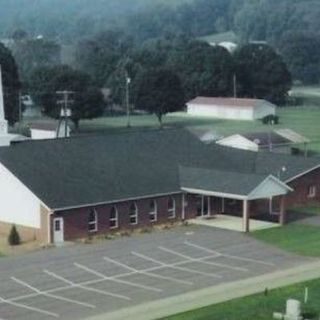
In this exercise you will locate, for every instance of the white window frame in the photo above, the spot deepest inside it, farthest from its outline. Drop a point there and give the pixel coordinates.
(312, 191)
(153, 213)
(115, 219)
(172, 210)
(94, 222)
(135, 216)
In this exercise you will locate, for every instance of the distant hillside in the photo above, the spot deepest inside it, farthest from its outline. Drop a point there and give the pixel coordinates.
(69, 18)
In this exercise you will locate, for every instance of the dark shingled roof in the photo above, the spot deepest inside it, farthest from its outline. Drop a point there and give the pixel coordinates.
(264, 139)
(219, 181)
(86, 170)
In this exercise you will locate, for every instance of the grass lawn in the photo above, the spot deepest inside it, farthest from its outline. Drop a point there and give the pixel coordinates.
(259, 306)
(297, 238)
(302, 119)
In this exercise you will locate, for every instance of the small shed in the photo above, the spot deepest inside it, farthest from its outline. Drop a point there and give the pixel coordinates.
(279, 141)
(230, 108)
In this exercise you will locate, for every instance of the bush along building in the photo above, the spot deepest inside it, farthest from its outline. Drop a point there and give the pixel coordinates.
(64, 189)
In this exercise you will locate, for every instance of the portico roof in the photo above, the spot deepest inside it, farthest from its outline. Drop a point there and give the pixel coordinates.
(228, 184)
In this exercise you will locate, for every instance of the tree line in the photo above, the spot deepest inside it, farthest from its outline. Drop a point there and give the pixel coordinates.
(164, 73)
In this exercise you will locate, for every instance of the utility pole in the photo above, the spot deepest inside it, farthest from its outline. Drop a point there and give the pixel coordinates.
(128, 81)
(65, 111)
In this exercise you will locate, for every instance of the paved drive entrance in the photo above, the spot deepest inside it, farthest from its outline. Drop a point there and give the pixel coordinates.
(80, 281)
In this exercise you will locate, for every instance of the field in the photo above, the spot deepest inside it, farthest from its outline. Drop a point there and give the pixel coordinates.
(296, 238)
(304, 121)
(259, 306)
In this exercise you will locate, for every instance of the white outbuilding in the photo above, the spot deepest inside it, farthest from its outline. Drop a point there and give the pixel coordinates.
(230, 108)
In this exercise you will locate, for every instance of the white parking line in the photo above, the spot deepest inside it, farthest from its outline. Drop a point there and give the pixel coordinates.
(228, 255)
(84, 287)
(147, 272)
(176, 266)
(87, 305)
(23, 306)
(102, 276)
(202, 260)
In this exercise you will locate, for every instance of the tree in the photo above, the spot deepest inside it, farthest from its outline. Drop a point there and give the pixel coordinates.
(160, 92)
(99, 56)
(11, 85)
(203, 69)
(88, 99)
(31, 54)
(261, 73)
(14, 237)
(301, 51)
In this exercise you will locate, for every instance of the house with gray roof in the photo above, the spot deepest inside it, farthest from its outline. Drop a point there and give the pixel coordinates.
(64, 189)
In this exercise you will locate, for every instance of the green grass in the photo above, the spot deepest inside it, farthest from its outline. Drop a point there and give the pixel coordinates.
(258, 306)
(296, 238)
(301, 119)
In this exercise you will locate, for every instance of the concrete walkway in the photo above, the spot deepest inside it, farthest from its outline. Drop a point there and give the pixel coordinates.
(224, 292)
(227, 222)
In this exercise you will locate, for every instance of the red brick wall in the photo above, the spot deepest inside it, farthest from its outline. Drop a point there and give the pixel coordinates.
(76, 220)
(301, 186)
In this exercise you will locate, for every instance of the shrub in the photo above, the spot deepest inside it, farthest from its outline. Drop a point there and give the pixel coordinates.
(270, 119)
(14, 237)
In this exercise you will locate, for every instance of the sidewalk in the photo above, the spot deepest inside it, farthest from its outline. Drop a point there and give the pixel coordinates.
(224, 292)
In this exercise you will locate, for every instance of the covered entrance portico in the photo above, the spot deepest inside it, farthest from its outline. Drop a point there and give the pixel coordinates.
(213, 191)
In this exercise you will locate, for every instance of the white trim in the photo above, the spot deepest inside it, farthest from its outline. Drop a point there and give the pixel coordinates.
(94, 222)
(116, 219)
(136, 214)
(155, 212)
(215, 194)
(48, 226)
(117, 201)
(183, 213)
(312, 191)
(303, 173)
(171, 211)
(265, 181)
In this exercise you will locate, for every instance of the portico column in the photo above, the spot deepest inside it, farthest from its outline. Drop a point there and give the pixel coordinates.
(246, 216)
(282, 216)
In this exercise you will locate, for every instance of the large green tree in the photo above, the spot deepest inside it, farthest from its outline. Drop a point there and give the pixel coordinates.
(203, 69)
(31, 54)
(159, 92)
(301, 51)
(87, 98)
(11, 85)
(100, 55)
(261, 73)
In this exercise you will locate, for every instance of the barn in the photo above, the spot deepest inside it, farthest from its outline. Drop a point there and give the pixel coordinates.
(230, 108)
(64, 189)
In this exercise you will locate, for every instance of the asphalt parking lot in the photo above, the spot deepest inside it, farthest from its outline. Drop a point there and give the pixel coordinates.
(80, 281)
